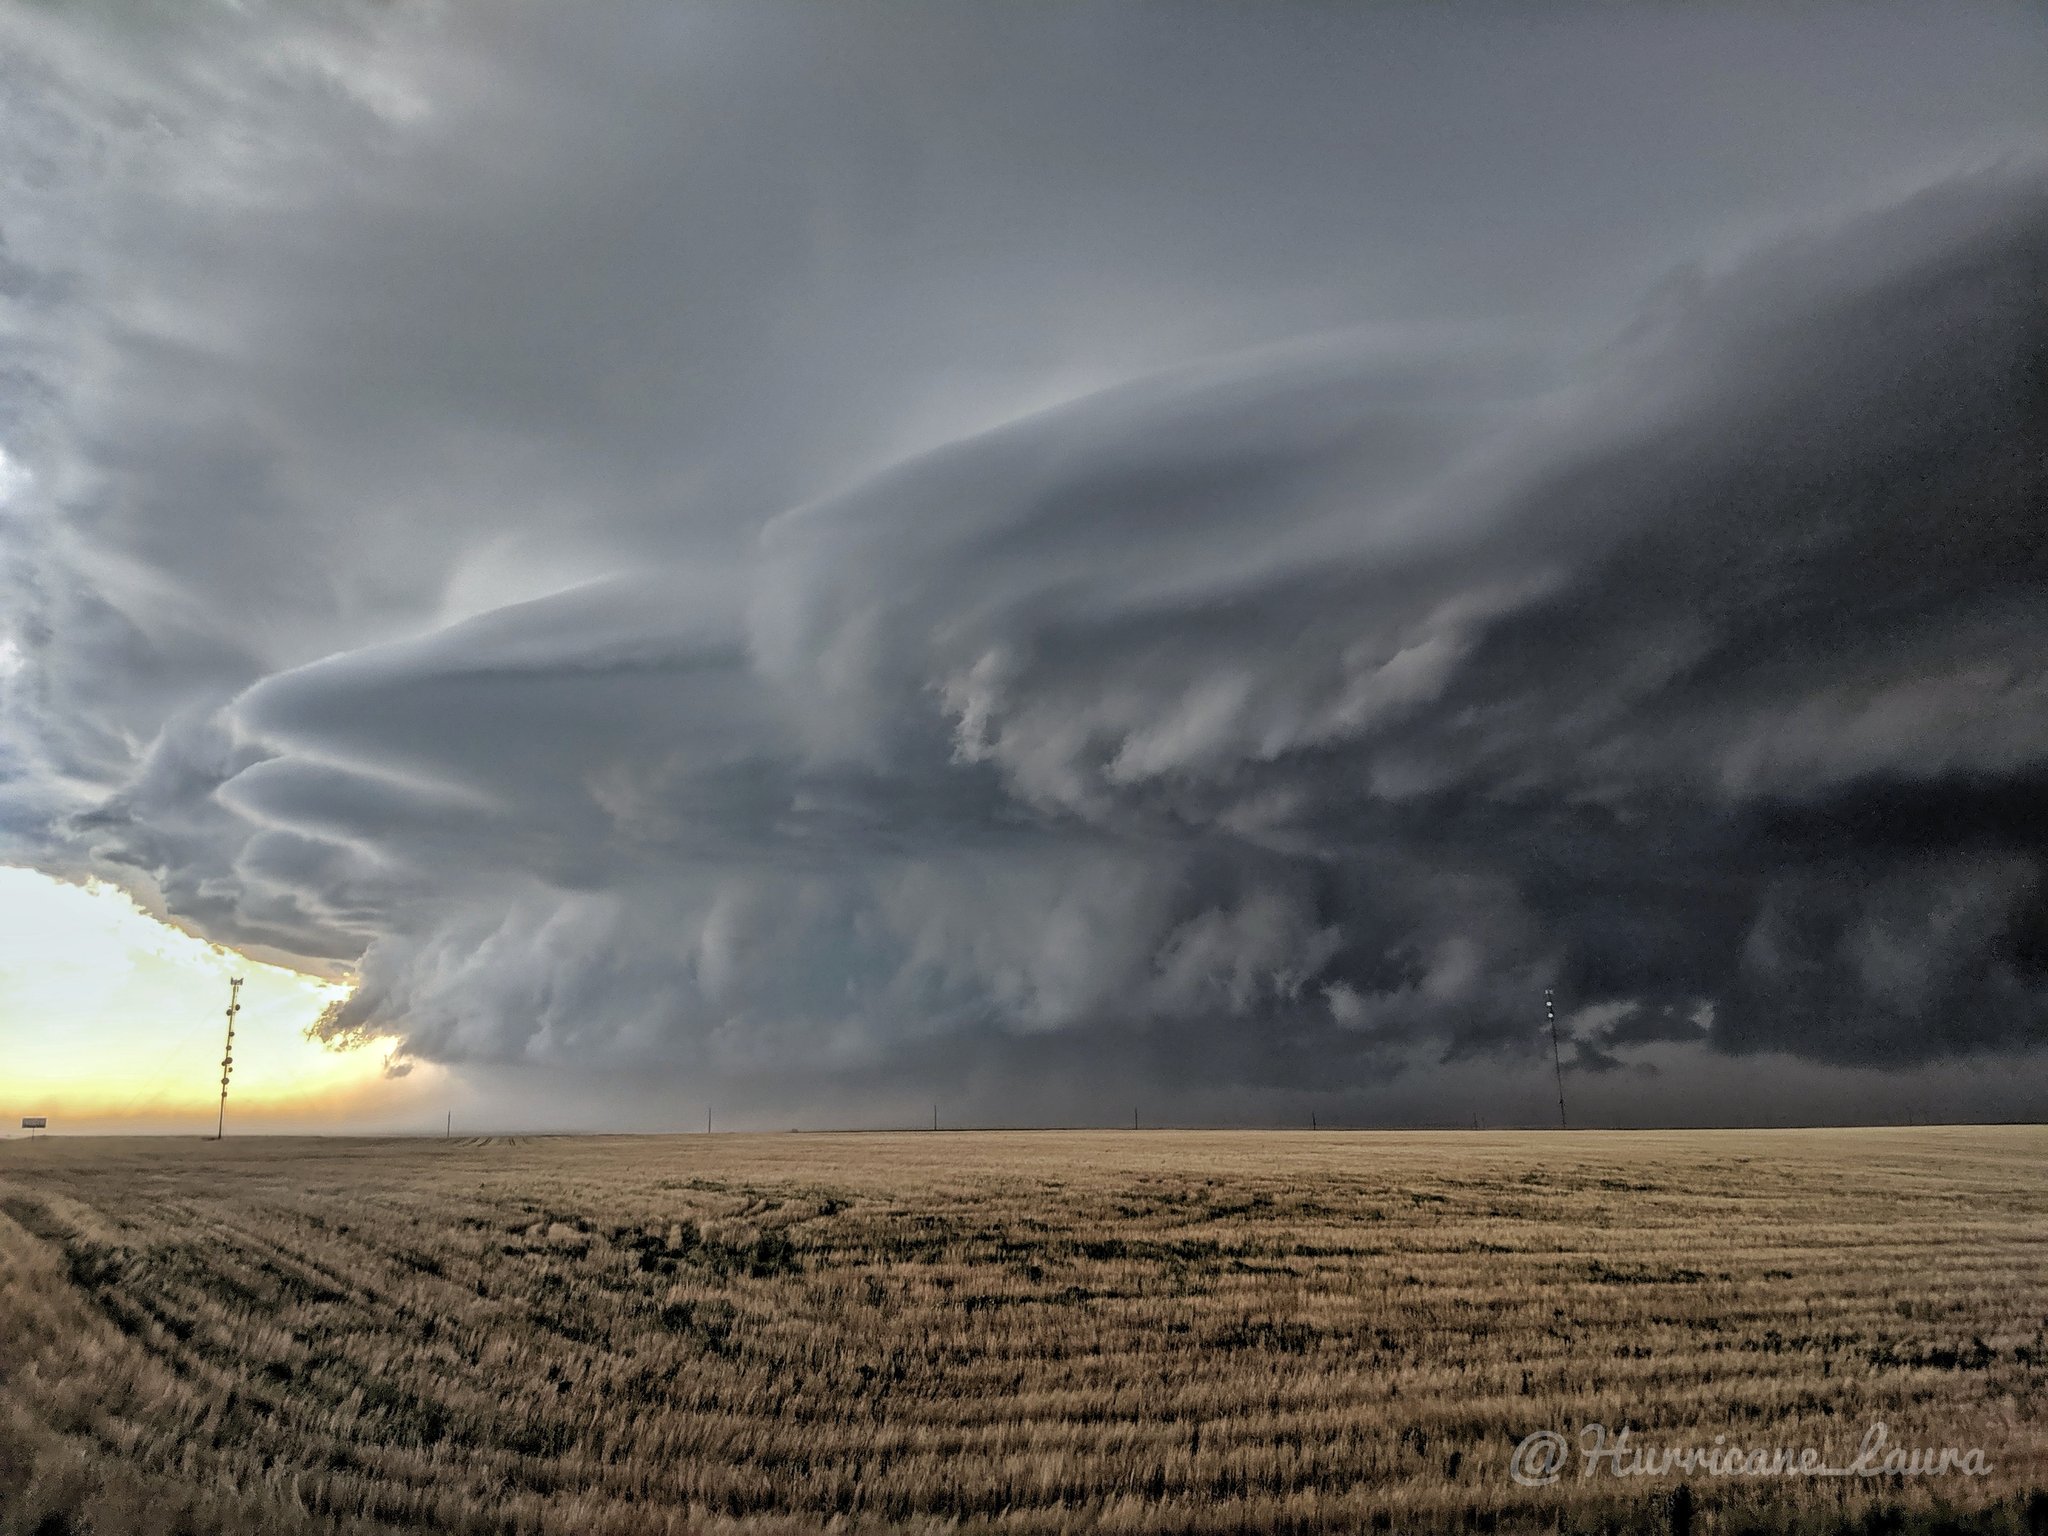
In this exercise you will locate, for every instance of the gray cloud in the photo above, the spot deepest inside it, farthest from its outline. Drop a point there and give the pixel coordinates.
(635, 547)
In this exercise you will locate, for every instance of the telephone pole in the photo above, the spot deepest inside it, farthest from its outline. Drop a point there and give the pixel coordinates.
(227, 1056)
(1556, 1056)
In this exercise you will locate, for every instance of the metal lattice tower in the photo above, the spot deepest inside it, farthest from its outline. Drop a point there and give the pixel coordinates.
(1556, 1056)
(227, 1058)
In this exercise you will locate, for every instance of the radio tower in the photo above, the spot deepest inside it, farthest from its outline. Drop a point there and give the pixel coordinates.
(227, 1058)
(1556, 1058)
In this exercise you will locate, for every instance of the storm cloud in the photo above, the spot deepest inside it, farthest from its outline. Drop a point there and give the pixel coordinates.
(876, 549)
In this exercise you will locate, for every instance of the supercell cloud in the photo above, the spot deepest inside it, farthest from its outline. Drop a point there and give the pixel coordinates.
(845, 554)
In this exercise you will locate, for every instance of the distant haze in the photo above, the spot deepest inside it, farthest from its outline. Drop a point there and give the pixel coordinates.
(1063, 560)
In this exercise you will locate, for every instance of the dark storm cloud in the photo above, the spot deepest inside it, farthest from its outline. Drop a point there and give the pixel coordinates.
(1028, 734)
(648, 554)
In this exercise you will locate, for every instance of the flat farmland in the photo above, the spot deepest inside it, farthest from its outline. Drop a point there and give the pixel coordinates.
(1019, 1332)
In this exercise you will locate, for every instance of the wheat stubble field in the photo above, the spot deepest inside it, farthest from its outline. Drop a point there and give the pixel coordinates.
(1026, 1332)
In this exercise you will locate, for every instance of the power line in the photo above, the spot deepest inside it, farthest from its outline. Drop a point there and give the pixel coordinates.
(1556, 1057)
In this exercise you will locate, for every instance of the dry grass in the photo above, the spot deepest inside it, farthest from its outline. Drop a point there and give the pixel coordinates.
(1018, 1332)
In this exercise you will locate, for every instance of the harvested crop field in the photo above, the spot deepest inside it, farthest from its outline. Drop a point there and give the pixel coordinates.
(1028, 1332)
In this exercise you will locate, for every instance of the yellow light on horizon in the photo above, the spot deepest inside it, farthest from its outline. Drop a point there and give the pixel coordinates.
(112, 1020)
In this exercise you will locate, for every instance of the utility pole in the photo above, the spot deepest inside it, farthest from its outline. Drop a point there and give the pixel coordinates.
(1556, 1056)
(227, 1056)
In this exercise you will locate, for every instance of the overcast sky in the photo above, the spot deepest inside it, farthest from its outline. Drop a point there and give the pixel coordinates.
(1055, 558)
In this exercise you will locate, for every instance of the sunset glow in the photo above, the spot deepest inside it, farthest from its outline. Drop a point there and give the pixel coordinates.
(113, 1021)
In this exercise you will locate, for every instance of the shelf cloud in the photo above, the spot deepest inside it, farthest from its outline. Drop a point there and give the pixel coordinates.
(673, 578)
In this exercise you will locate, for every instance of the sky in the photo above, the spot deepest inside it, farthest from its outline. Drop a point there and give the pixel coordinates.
(1065, 563)
(117, 1021)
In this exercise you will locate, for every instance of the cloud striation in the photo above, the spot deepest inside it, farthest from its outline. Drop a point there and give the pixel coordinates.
(1279, 716)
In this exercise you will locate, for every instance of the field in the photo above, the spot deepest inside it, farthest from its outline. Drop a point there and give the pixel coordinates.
(1019, 1332)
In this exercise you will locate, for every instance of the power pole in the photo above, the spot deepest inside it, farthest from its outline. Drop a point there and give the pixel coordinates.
(227, 1056)
(1556, 1056)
